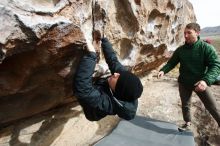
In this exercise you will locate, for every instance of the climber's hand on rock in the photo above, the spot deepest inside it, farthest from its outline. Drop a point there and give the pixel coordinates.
(96, 36)
(160, 74)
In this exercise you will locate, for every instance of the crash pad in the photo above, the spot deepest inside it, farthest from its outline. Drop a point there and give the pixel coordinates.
(142, 131)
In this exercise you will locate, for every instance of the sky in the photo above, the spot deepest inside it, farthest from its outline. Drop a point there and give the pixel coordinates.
(207, 12)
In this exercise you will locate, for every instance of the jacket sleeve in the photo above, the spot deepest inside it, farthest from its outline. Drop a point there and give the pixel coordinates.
(128, 111)
(173, 61)
(110, 57)
(213, 64)
(83, 86)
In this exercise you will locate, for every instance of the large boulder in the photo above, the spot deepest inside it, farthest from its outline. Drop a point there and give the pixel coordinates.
(41, 43)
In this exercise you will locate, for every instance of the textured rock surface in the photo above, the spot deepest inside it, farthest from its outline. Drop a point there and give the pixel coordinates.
(41, 42)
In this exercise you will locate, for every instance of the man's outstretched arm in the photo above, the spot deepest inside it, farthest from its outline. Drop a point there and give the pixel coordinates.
(110, 57)
(84, 89)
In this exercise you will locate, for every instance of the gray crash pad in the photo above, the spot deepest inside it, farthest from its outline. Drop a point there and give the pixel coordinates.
(143, 131)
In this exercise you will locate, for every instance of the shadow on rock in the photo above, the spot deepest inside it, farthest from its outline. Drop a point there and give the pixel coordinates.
(39, 130)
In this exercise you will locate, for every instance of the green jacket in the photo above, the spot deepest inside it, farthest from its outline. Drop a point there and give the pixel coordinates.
(198, 61)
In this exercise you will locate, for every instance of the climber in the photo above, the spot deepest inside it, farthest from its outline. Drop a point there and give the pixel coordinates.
(199, 68)
(115, 95)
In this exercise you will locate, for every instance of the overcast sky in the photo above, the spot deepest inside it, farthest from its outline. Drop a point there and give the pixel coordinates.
(207, 12)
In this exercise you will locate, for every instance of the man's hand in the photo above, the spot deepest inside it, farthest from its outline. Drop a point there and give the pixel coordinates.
(96, 36)
(200, 86)
(97, 46)
(90, 46)
(97, 42)
(160, 74)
